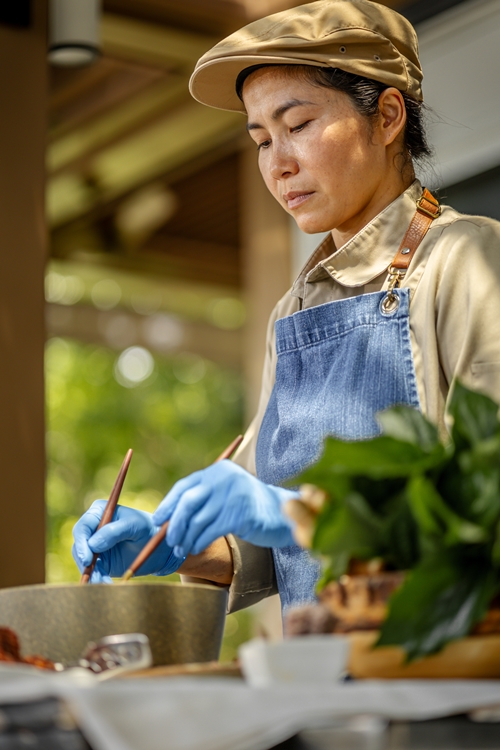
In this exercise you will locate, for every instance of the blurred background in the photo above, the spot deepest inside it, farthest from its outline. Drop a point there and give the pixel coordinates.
(141, 255)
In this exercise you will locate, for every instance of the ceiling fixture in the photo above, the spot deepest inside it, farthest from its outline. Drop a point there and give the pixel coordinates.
(74, 38)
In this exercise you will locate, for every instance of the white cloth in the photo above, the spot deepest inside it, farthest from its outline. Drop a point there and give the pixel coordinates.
(189, 713)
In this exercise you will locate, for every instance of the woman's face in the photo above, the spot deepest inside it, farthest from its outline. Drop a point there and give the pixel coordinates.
(322, 160)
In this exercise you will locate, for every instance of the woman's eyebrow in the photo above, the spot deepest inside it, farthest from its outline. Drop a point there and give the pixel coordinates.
(280, 112)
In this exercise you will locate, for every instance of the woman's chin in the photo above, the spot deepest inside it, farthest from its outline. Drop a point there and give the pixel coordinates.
(310, 225)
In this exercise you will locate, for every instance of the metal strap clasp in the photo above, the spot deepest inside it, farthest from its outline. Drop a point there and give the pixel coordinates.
(428, 209)
(391, 301)
(429, 198)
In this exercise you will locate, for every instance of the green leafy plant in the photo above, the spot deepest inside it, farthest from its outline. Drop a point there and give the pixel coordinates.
(422, 506)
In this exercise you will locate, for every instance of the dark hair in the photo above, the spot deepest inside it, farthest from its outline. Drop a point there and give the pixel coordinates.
(364, 94)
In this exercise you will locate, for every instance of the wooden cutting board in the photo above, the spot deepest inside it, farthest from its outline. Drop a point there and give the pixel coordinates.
(204, 669)
(474, 657)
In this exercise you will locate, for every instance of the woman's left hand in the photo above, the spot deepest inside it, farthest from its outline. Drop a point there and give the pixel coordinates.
(224, 499)
(118, 544)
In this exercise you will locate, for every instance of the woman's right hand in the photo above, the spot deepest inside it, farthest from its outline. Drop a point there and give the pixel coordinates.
(118, 544)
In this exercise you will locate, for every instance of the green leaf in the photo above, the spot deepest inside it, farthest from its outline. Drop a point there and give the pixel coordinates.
(440, 601)
(495, 552)
(379, 458)
(380, 494)
(475, 416)
(474, 494)
(327, 575)
(346, 531)
(401, 546)
(420, 494)
(485, 508)
(482, 456)
(409, 425)
(436, 518)
(363, 514)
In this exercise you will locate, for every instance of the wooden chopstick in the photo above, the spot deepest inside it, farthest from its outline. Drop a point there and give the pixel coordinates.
(228, 452)
(157, 539)
(109, 510)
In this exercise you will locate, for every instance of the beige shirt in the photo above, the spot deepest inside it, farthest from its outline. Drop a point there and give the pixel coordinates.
(454, 282)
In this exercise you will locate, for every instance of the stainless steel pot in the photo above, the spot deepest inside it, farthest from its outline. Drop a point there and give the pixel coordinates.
(184, 622)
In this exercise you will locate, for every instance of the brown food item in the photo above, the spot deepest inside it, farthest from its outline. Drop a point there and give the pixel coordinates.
(359, 602)
(4, 656)
(311, 619)
(39, 661)
(489, 624)
(357, 606)
(9, 642)
(10, 651)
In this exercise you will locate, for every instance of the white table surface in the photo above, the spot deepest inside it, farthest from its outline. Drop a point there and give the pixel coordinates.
(187, 713)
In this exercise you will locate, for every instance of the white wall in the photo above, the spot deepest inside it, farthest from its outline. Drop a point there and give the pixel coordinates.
(460, 54)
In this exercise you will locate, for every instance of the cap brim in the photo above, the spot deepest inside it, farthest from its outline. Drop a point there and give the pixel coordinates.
(214, 83)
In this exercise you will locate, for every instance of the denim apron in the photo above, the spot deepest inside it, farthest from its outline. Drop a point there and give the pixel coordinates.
(338, 365)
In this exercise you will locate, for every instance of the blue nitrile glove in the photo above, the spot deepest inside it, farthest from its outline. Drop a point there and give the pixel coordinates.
(118, 544)
(224, 499)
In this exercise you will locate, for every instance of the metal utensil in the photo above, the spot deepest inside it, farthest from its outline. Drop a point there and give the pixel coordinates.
(112, 656)
(117, 654)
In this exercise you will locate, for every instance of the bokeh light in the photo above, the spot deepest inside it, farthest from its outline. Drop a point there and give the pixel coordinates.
(134, 366)
(227, 313)
(63, 290)
(106, 294)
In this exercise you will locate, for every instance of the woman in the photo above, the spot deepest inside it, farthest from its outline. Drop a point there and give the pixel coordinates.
(399, 300)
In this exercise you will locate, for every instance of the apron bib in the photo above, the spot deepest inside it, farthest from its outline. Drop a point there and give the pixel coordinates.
(338, 365)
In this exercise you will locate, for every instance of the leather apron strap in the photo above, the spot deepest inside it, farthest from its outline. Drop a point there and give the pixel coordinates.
(428, 209)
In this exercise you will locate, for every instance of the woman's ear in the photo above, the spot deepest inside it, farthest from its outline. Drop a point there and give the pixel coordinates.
(392, 115)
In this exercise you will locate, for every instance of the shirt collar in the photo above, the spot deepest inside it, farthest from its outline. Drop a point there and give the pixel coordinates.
(366, 255)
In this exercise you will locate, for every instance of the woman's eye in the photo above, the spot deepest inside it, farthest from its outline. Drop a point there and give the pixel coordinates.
(300, 127)
(262, 145)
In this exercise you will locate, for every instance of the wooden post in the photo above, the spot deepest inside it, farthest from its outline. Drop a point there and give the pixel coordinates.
(266, 264)
(23, 99)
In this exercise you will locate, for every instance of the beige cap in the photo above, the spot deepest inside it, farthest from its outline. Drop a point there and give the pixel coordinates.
(358, 36)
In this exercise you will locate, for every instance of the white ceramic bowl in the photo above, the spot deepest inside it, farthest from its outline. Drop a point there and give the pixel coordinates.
(305, 659)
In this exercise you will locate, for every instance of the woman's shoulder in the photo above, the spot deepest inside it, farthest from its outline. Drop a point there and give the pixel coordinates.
(453, 223)
(466, 234)
(287, 305)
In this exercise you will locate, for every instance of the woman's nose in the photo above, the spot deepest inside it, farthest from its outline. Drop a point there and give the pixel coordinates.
(283, 164)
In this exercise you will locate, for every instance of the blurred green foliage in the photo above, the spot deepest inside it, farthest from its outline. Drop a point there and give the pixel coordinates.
(428, 508)
(177, 420)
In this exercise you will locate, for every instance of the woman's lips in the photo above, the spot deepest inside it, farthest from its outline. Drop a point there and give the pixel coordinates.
(295, 199)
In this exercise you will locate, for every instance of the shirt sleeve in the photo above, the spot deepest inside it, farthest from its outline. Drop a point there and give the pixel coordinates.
(254, 577)
(468, 306)
(253, 567)
(245, 455)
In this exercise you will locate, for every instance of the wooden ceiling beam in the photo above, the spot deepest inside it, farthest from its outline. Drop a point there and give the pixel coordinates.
(192, 261)
(218, 17)
(160, 46)
(196, 260)
(72, 150)
(189, 131)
